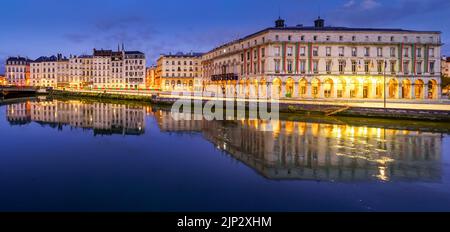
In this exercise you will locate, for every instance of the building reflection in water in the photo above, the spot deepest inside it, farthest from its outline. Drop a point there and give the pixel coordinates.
(315, 151)
(289, 150)
(102, 118)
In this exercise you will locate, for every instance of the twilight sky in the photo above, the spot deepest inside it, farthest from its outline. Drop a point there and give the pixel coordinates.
(46, 27)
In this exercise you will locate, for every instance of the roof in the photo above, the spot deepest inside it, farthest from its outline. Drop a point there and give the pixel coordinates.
(183, 55)
(321, 29)
(46, 59)
(18, 58)
(134, 52)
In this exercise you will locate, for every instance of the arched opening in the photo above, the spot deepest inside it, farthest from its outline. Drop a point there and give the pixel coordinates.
(276, 87)
(340, 87)
(303, 87)
(418, 89)
(247, 88)
(263, 84)
(354, 88)
(393, 88)
(406, 89)
(315, 87)
(328, 88)
(366, 88)
(432, 89)
(173, 85)
(379, 88)
(255, 88)
(241, 87)
(289, 87)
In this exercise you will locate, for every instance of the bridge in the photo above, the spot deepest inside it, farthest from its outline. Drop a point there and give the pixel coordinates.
(19, 90)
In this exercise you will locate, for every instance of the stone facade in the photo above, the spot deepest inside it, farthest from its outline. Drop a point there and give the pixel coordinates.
(180, 72)
(18, 71)
(321, 62)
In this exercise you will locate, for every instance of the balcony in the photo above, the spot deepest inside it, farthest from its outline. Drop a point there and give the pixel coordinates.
(225, 77)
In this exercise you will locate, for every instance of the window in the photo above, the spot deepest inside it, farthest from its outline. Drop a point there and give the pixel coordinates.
(353, 66)
(328, 66)
(392, 39)
(366, 66)
(353, 38)
(289, 51)
(315, 66)
(392, 68)
(432, 67)
(263, 52)
(302, 51)
(328, 38)
(328, 51)
(289, 38)
(431, 52)
(277, 51)
(379, 38)
(341, 38)
(289, 66)
(341, 66)
(248, 55)
(315, 51)
(354, 52)
(277, 37)
(419, 52)
(277, 66)
(255, 54)
(303, 66)
(392, 52)
(366, 51)
(263, 65)
(406, 67)
(315, 38)
(341, 51)
(406, 52)
(302, 38)
(419, 67)
(379, 52)
(380, 67)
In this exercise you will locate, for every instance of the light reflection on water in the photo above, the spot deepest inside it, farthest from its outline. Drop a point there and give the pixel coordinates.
(289, 151)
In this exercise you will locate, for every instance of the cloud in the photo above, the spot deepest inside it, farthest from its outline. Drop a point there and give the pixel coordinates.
(349, 3)
(76, 37)
(372, 12)
(369, 4)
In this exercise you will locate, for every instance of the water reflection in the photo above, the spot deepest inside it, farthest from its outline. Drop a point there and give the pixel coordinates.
(102, 118)
(291, 150)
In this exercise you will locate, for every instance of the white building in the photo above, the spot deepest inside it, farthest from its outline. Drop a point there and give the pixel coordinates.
(17, 71)
(180, 72)
(322, 62)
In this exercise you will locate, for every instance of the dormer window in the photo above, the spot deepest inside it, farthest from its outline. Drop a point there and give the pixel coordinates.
(302, 38)
(289, 38)
(315, 38)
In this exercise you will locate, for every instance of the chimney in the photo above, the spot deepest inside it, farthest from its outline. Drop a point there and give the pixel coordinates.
(319, 23)
(279, 23)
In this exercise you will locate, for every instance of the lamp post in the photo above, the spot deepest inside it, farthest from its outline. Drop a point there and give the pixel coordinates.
(384, 80)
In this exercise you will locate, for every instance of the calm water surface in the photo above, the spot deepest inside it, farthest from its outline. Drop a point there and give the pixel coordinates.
(74, 156)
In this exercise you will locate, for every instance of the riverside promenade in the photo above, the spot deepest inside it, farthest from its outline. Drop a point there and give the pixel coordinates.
(434, 105)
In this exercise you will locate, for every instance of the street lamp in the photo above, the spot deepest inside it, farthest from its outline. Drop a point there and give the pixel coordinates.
(384, 80)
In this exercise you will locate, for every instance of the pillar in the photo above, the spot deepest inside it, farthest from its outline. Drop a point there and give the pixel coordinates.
(400, 90)
(296, 90)
(283, 90)
(309, 90)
